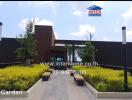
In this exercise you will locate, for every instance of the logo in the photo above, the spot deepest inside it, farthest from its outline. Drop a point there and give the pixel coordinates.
(94, 11)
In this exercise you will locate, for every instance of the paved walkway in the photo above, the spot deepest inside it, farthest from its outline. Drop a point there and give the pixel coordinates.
(61, 87)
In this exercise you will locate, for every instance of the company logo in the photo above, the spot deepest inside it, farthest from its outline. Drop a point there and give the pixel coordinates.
(94, 11)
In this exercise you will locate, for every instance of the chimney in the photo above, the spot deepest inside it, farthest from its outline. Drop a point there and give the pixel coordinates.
(123, 35)
(0, 30)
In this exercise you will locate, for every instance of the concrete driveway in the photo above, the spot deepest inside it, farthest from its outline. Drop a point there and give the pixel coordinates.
(61, 87)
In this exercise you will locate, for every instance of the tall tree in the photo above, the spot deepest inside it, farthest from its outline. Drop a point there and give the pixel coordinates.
(87, 53)
(27, 52)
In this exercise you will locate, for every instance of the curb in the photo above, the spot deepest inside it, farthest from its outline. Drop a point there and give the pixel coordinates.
(21, 94)
(108, 94)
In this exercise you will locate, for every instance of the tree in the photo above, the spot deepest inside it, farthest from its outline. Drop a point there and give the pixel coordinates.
(27, 52)
(87, 53)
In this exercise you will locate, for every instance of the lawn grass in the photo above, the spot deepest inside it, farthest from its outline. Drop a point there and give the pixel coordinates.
(105, 79)
(20, 77)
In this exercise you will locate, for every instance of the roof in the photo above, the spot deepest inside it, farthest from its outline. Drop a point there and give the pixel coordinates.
(80, 42)
(94, 7)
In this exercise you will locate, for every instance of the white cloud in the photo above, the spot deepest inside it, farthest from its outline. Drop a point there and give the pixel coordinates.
(23, 23)
(127, 15)
(78, 7)
(129, 35)
(43, 22)
(56, 35)
(38, 21)
(84, 29)
(129, 32)
(77, 13)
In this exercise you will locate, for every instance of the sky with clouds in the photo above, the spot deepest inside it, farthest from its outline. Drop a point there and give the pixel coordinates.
(69, 19)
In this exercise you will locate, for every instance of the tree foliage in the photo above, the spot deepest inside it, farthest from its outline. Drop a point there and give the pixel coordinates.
(87, 53)
(28, 44)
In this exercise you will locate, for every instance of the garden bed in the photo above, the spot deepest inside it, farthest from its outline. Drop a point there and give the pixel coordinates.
(105, 81)
(20, 78)
(108, 94)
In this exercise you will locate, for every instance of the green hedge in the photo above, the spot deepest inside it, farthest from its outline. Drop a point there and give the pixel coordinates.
(20, 77)
(104, 79)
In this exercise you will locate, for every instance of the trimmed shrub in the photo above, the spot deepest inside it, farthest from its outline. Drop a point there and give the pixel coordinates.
(20, 77)
(105, 79)
(102, 87)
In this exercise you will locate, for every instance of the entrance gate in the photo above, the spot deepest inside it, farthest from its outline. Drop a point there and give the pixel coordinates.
(57, 61)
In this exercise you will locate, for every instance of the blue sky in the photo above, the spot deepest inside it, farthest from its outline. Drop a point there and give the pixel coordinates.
(69, 18)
